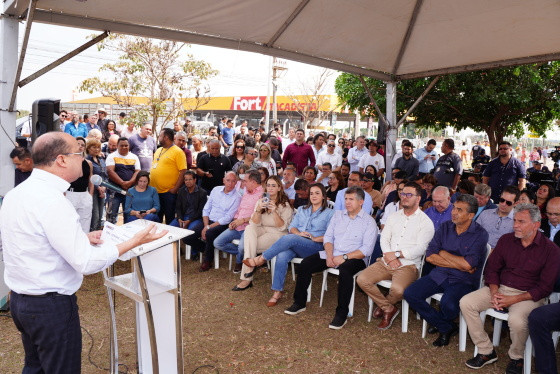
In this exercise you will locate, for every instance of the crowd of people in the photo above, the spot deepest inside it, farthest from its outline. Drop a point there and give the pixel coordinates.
(483, 242)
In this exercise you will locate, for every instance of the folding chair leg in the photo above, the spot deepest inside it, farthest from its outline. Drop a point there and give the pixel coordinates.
(230, 260)
(293, 271)
(309, 292)
(188, 252)
(370, 308)
(424, 323)
(528, 355)
(216, 259)
(351, 306)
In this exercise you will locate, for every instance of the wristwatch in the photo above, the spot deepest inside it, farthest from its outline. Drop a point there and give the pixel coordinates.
(398, 254)
(345, 257)
(207, 227)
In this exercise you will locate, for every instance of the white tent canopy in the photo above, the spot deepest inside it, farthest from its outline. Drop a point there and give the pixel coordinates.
(389, 40)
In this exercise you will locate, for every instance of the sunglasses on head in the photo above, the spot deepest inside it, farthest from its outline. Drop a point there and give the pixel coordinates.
(508, 203)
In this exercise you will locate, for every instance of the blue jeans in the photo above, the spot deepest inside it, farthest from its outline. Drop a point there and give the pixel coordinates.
(195, 226)
(114, 202)
(224, 243)
(424, 287)
(149, 217)
(167, 206)
(285, 249)
(97, 211)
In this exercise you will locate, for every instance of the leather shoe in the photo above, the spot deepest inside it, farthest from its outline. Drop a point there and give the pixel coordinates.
(242, 289)
(388, 318)
(444, 338)
(377, 312)
(205, 266)
(432, 330)
(237, 268)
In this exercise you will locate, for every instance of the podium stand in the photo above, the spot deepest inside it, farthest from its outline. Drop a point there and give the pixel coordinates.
(155, 286)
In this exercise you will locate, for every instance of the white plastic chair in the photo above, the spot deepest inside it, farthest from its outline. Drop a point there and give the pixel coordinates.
(405, 308)
(499, 317)
(462, 322)
(337, 273)
(330, 204)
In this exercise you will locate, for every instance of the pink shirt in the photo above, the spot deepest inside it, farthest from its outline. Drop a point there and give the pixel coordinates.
(247, 206)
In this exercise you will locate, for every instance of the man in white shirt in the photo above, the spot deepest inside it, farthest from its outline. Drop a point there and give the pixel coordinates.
(404, 240)
(326, 170)
(356, 153)
(372, 158)
(46, 254)
(330, 156)
(290, 139)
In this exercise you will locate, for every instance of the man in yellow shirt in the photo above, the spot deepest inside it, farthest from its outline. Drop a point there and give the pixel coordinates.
(166, 176)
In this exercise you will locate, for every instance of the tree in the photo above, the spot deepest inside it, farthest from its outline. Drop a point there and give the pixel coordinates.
(313, 110)
(154, 77)
(501, 102)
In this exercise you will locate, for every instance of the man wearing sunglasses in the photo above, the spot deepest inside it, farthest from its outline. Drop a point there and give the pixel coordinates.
(499, 221)
(330, 156)
(504, 170)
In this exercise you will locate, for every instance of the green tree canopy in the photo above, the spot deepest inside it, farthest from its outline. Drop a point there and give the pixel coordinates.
(499, 101)
(160, 71)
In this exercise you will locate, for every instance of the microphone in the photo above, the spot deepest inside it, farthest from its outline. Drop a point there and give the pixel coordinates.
(98, 181)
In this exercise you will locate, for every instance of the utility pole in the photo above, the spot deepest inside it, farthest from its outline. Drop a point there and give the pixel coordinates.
(277, 66)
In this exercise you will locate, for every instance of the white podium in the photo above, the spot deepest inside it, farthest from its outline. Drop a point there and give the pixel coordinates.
(155, 285)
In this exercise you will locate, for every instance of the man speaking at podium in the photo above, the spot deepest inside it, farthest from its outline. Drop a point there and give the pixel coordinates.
(46, 254)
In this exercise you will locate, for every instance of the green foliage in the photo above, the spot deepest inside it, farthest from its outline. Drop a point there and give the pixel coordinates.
(22, 113)
(499, 102)
(159, 71)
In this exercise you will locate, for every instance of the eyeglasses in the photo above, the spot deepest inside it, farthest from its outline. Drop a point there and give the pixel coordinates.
(253, 154)
(407, 194)
(240, 146)
(503, 149)
(264, 150)
(508, 203)
(81, 154)
(553, 214)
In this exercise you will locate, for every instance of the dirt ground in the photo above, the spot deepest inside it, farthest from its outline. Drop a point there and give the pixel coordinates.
(234, 332)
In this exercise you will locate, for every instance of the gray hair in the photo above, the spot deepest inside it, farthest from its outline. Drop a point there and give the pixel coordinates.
(441, 189)
(470, 200)
(232, 173)
(254, 175)
(533, 210)
(360, 194)
(180, 133)
(483, 189)
(214, 141)
(249, 150)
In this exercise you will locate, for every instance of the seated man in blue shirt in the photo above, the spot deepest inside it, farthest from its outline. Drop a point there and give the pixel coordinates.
(441, 209)
(348, 241)
(216, 215)
(457, 250)
(499, 221)
(354, 179)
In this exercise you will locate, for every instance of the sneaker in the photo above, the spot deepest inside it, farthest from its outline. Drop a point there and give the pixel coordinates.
(515, 366)
(337, 323)
(481, 360)
(294, 309)
(237, 268)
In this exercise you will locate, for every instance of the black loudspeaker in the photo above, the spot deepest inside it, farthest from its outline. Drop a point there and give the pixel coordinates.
(44, 117)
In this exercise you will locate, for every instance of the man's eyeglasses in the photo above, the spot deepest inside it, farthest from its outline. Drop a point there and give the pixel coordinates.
(331, 146)
(81, 154)
(553, 214)
(508, 203)
(253, 154)
(407, 194)
(503, 149)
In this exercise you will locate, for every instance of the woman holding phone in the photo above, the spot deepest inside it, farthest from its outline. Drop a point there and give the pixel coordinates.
(268, 223)
(304, 239)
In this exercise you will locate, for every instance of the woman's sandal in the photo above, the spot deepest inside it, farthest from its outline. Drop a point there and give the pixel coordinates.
(253, 263)
(274, 300)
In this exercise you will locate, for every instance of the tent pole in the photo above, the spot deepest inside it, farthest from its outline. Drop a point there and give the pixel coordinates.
(28, 23)
(391, 120)
(9, 57)
(420, 98)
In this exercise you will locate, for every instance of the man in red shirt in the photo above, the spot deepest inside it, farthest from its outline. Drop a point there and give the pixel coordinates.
(299, 152)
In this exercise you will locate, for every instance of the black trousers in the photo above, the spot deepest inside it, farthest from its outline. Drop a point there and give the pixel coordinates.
(315, 264)
(542, 322)
(50, 332)
(207, 246)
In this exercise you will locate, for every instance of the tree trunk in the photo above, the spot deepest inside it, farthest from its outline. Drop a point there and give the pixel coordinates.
(495, 137)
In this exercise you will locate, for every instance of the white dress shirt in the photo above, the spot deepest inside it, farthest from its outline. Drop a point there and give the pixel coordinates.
(334, 159)
(45, 249)
(408, 234)
(354, 156)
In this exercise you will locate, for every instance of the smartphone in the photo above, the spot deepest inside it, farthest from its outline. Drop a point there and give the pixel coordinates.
(266, 198)
(211, 171)
(142, 211)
